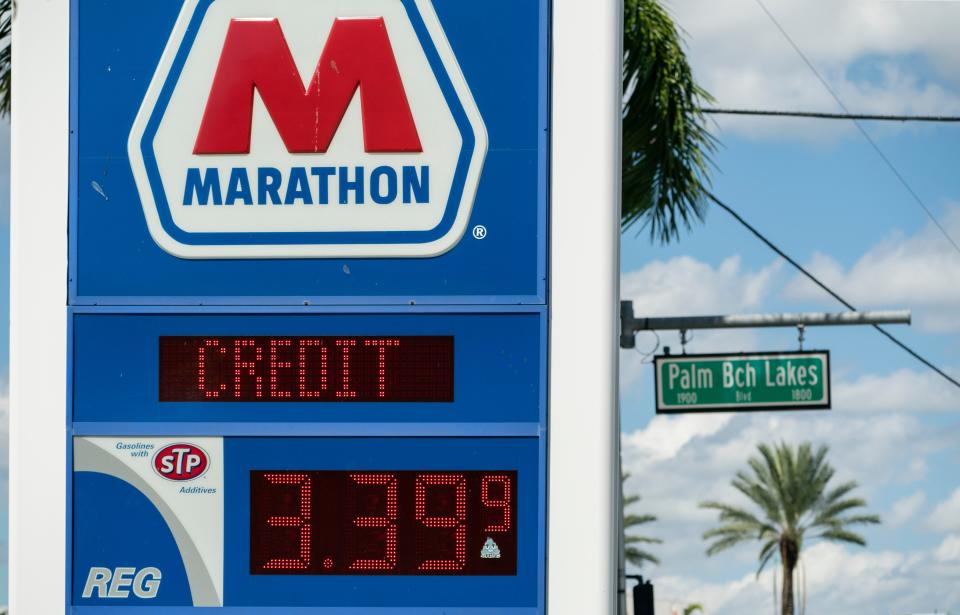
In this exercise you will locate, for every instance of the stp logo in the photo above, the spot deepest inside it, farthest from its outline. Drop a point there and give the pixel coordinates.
(321, 128)
(181, 462)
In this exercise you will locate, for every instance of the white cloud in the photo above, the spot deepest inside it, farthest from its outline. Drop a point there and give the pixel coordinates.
(946, 516)
(921, 272)
(903, 389)
(633, 367)
(949, 550)
(686, 286)
(664, 436)
(843, 579)
(866, 50)
(748, 594)
(840, 580)
(708, 449)
(905, 509)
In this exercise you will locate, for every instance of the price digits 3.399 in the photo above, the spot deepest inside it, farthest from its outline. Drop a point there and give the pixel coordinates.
(383, 522)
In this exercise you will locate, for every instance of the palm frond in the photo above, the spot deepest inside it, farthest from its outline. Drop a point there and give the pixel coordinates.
(784, 472)
(729, 542)
(767, 552)
(632, 553)
(833, 511)
(723, 508)
(632, 520)
(738, 519)
(666, 144)
(859, 520)
(646, 540)
(841, 535)
(772, 476)
(638, 557)
(839, 492)
(760, 495)
(733, 529)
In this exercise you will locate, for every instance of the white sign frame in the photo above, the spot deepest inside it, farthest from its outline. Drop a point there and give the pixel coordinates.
(584, 422)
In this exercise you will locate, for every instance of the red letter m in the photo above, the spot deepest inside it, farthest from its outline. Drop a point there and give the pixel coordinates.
(357, 55)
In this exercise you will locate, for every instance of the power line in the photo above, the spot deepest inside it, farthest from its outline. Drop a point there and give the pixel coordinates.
(860, 127)
(826, 288)
(820, 115)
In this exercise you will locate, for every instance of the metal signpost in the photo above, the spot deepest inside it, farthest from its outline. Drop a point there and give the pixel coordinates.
(690, 383)
(732, 383)
(308, 314)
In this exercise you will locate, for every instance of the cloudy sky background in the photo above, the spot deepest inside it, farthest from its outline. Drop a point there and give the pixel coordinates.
(821, 193)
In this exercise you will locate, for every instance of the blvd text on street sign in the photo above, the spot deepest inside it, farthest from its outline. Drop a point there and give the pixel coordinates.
(741, 382)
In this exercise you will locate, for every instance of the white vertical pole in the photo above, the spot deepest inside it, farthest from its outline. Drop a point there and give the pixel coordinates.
(584, 289)
(38, 294)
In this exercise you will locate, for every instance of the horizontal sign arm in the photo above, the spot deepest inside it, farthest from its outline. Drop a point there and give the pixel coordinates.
(631, 324)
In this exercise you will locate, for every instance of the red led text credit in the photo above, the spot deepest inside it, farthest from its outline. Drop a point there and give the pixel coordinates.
(321, 369)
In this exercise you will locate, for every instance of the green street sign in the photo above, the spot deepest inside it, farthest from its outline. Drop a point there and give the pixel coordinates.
(742, 382)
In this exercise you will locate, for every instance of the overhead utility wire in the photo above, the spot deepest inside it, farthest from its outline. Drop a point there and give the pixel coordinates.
(820, 115)
(829, 291)
(860, 127)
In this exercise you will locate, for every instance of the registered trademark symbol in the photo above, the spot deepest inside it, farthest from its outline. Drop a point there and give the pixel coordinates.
(479, 231)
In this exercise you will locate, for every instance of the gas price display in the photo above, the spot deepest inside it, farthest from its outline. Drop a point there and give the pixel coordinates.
(301, 368)
(383, 522)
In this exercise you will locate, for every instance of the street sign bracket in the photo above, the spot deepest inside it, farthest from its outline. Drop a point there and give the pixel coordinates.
(631, 324)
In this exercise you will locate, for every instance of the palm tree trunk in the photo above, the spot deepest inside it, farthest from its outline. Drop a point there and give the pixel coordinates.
(786, 592)
(788, 556)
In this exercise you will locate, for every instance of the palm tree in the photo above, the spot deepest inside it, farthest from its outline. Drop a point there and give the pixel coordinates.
(634, 554)
(789, 486)
(666, 144)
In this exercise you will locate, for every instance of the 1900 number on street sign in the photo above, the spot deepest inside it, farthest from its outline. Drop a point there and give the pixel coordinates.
(731, 383)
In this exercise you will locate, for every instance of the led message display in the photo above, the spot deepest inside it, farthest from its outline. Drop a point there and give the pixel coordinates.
(306, 368)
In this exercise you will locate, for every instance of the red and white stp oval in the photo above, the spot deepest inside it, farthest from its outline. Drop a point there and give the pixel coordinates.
(181, 462)
(291, 129)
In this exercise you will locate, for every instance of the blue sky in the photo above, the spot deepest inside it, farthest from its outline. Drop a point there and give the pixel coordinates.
(822, 194)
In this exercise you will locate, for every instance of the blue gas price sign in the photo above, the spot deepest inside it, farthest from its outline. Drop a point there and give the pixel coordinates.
(308, 306)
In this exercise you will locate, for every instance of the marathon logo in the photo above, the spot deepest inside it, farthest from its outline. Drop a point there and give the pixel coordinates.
(357, 56)
(308, 129)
